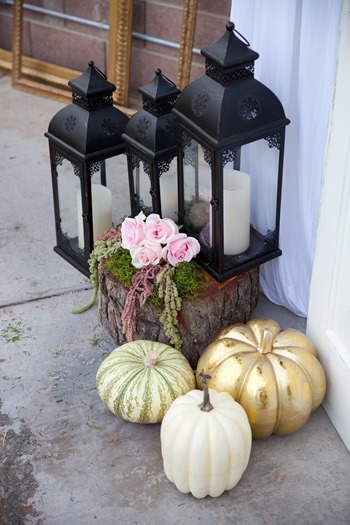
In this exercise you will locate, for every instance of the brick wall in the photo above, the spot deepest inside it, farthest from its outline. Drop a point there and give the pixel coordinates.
(72, 45)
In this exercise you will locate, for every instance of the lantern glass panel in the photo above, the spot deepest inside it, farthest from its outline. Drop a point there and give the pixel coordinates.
(101, 201)
(142, 186)
(117, 182)
(197, 192)
(69, 193)
(168, 190)
(260, 161)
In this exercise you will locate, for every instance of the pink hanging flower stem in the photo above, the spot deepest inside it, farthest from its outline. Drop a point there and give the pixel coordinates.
(141, 288)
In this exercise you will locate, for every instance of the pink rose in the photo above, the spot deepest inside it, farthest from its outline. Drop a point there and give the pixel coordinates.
(133, 231)
(182, 249)
(145, 254)
(160, 230)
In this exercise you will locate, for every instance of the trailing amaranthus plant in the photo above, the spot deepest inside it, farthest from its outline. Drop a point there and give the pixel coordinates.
(172, 304)
(142, 287)
(105, 246)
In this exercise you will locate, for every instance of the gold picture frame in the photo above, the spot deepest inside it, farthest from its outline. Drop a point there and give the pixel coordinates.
(5, 61)
(186, 44)
(43, 78)
(32, 75)
(119, 49)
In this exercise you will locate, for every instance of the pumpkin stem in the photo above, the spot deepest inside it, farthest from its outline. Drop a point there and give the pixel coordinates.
(265, 346)
(151, 359)
(206, 406)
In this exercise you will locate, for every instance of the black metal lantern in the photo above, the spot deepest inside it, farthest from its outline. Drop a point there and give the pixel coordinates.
(231, 133)
(81, 137)
(151, 150)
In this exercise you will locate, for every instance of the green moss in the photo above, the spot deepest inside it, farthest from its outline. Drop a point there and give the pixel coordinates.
(120, 265)
(187, 278)
(155, 300)
(103, 250)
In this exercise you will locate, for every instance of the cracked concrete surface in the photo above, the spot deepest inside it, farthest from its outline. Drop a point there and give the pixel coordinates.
(64, 458)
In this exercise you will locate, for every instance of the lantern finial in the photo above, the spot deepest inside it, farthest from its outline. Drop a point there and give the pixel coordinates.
(160, 92)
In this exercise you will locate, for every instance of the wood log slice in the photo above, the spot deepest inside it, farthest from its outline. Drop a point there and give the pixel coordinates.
(199, 321)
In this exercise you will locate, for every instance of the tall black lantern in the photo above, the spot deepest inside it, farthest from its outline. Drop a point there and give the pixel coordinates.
(150, 136)
(230, 132)
(81, 137)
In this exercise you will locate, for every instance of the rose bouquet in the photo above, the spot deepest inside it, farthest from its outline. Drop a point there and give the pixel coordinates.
(153, 260)
(152, 239)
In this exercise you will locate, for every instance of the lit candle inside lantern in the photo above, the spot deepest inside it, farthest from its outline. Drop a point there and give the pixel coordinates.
(168, 195)
(101, 212)
(236, 212)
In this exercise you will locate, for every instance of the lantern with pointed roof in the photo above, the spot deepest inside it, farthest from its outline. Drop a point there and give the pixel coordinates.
(150, 136)
(231, 134)
(81, 137)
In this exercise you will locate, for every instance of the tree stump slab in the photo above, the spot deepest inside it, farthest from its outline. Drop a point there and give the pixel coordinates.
(199, 321)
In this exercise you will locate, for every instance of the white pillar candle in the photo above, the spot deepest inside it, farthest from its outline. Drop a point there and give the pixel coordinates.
(101, 212)
(236, 212)
(168, 195)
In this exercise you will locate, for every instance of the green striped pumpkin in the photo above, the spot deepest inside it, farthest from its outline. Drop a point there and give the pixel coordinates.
(139, 380)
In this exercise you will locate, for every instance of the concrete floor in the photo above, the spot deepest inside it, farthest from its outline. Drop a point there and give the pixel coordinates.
(65, 459)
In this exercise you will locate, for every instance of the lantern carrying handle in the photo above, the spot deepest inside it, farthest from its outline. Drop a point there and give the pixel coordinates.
(230, 26)
(91, 63)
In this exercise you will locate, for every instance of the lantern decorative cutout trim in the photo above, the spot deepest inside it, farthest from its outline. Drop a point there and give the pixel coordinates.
(150, 137)
(228, 117)
(81, 137)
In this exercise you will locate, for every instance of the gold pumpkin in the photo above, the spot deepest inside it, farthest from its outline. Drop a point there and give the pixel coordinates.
(274, 374)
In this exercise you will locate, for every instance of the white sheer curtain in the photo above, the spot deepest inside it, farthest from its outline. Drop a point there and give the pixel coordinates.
(297, 43)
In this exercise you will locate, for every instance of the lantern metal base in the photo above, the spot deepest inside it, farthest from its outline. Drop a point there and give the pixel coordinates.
(79, 265)
(232, 272)
(261, 249)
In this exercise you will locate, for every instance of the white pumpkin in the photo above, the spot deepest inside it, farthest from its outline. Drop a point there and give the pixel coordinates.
(139, 380)
(206, 444)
